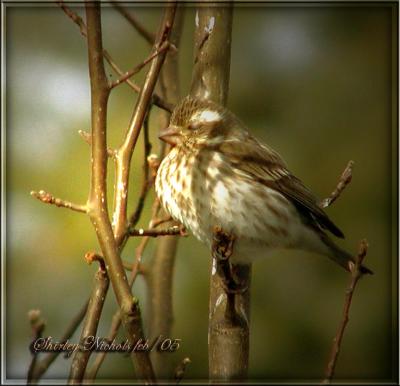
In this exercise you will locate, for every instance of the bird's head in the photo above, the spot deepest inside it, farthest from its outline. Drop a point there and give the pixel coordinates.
(198, 122)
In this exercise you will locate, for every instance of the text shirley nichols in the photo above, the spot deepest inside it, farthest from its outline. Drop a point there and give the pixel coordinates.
(96, 343)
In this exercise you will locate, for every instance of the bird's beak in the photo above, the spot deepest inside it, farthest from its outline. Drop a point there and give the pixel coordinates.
(170, 135)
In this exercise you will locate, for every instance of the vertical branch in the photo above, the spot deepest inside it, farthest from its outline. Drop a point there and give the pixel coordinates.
(124, 153)
(161, 272)
(97, 201)
(91, 323)
(228, 347)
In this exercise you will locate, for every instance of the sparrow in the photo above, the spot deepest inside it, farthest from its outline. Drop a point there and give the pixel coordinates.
(218, 175)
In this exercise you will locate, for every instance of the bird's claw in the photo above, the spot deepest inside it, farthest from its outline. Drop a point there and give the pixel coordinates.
(231, 286)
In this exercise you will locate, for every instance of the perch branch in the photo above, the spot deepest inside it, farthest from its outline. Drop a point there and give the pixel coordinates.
(228, 348)
(93, 314)
(355, 275)
(47, 198)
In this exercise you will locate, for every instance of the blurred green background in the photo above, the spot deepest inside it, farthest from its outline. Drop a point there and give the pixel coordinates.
(317, 82)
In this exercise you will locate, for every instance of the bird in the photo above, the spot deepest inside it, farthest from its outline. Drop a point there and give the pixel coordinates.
(219, 175)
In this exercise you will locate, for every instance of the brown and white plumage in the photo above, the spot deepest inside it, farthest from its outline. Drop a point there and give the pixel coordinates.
(218, 174)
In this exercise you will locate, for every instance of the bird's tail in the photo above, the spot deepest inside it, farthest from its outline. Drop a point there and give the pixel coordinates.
(340, 256)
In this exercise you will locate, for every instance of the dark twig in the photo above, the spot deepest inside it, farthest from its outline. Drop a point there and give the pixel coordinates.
(344, 180)
(94, 310)
(37, 325)
(355, 271)
(47, 198)
(150, 161)
(137, 68)
(148, 36)
(181, 368)
(156, 99)
(42, 366)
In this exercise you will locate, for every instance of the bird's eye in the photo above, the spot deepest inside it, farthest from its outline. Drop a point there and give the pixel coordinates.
(194, 125)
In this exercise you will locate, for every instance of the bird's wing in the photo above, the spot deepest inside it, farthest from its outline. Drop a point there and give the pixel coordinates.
(267, 167)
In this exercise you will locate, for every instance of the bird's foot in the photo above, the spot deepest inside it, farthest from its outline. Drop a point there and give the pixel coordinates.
(230, 284)
(222, 249)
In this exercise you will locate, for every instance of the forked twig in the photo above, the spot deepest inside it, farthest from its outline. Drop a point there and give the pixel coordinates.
(156, 99)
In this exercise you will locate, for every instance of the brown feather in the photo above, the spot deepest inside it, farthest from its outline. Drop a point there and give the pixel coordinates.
(264, 165)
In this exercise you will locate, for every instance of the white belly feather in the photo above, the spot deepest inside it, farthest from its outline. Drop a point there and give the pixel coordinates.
(216, 195)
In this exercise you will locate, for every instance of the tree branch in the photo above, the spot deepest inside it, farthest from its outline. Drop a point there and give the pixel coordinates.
(47, 198)
(88, 139)
(355, 275)
(37, 325)
(97, 201)
(160, 273)
(124, 153)
(93, 314)
(156, 99)
(165, 45)
(42, 366)
(228, 348)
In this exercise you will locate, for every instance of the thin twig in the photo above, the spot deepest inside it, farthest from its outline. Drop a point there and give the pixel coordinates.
(42, 366)
(47, 198)
(93, 314)
(180, 369)
(148, 163)
(137, 68)
(356, 273)
(156, 99)
(125, 151)
(88, 139)
(37, 325)
(344, 180)
(148, 36)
